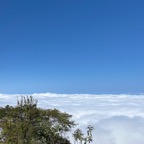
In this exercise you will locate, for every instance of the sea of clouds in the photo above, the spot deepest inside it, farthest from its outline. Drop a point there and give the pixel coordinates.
(118, 119)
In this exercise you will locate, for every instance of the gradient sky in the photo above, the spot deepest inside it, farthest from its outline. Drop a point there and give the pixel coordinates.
(72, 46)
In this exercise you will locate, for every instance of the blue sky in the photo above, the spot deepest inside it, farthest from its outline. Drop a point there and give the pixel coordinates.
(72, 46)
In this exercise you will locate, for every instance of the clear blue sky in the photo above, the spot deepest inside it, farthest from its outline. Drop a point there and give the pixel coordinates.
(72, 46)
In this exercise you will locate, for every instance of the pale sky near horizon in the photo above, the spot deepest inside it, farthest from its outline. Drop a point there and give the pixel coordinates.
(72, 46)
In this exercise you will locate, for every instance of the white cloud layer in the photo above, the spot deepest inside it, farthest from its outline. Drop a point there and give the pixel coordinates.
(118, 119)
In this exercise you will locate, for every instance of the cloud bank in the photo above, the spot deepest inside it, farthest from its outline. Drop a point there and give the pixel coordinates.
(118, 119)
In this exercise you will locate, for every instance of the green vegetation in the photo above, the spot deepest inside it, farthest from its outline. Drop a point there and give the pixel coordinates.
(80, 138)
(28, 124)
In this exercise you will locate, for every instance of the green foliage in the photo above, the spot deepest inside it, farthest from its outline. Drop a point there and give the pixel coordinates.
(27, 124)
(80, 138)
(78, 135)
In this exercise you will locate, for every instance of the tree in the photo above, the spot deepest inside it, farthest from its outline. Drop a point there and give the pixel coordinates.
(27, 124)
(79, 136)
(89, 133)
